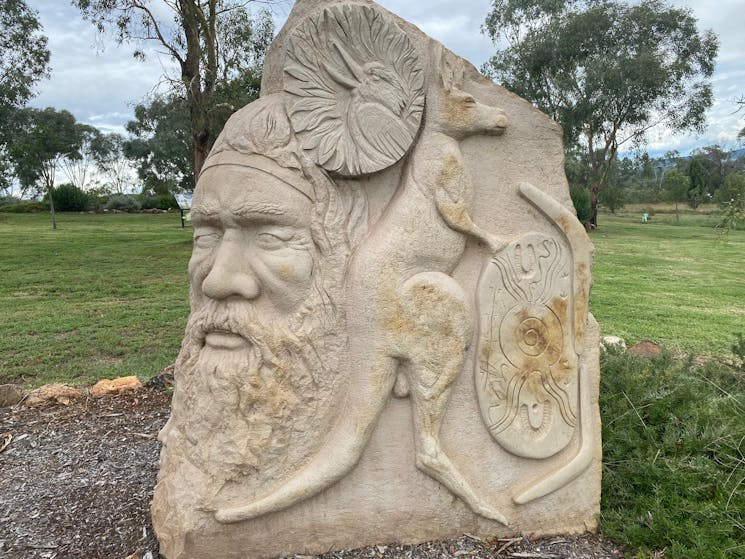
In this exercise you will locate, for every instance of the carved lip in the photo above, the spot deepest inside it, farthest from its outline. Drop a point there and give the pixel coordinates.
(224, 339)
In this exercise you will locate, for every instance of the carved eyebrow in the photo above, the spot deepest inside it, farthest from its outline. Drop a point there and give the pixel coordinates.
(248, 209)
(204, 210)
(245, 210)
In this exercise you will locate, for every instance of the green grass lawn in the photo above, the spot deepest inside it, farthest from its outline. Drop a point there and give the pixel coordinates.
(100, 297)
(107, 295)
(679, 285)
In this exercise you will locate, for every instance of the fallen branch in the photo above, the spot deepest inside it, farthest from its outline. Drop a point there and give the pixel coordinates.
(508, 544)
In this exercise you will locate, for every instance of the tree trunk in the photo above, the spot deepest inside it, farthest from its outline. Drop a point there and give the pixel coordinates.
(202, 146)
(594, 205)
(51, 207)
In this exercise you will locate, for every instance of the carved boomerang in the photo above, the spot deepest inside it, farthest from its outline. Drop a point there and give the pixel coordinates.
(577, 238)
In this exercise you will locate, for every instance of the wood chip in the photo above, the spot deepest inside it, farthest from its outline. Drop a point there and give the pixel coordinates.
(5, 440)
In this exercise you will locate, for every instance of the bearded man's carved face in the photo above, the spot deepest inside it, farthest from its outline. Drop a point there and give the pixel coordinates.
(253, 244)
(260, 361)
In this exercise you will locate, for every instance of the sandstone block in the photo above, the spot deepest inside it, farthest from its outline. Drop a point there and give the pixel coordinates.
(55, 393)
(107, 387)
(389, 338)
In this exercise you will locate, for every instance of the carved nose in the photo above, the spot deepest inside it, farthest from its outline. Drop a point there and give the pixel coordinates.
(231, 276)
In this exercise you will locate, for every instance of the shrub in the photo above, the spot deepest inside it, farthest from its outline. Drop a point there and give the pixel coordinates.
(123, 202)
(612, 198)
(672, 455)
(9, 201)
(25, 207)
(581, 200)
(161, 202)
(732, 188)
(69, 198)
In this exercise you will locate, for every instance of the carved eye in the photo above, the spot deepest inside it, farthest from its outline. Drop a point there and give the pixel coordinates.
(274, 240)
(206, 240)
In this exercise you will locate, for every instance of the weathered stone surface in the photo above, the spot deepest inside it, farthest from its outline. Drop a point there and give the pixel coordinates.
(10, 395)
(389, 337)
(52, 393)
(108, 387)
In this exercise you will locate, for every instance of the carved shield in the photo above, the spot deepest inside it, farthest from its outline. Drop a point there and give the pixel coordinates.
(526, 370)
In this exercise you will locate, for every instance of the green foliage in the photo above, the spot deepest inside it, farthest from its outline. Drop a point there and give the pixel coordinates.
(673, 443)
(9, 201)
(732, 216)
(161, 145)
(24, 58)
(162, 202)
(697, 186)
(612, 198)
(111, 160)
(676, 186)
(581, 200)
(92, 147)
(69, 198)
(218, 46)
(606, 71)
(123, 203)
(25, 207)
(40, 141)
(733, 187)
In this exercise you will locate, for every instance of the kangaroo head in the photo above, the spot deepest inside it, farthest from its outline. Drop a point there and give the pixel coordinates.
(453, 111)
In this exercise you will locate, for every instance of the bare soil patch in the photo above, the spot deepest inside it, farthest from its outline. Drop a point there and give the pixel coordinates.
(76, 483)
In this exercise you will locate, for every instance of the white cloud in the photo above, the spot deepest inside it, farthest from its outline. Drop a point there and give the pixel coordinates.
(93, 77)
(100, 82)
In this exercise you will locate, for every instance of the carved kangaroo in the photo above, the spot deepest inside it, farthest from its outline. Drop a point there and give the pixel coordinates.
(410, 322)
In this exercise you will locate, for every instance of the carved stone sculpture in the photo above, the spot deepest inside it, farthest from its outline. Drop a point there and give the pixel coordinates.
(389, 336)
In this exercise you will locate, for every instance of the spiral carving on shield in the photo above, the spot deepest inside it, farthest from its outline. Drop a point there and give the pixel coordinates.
(526, 372)
(355, 89)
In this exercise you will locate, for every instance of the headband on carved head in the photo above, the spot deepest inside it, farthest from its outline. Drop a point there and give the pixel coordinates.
(260, 136)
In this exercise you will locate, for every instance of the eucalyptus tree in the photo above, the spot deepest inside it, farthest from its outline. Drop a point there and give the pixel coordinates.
(211, 41)
(41, 140)
(24, 60)
(607, 71)
(24, 56)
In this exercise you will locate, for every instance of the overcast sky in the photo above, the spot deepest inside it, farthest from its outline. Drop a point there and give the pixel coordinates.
(100, 81)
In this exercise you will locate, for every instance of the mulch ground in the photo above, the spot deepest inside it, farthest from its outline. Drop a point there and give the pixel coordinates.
(76, 482)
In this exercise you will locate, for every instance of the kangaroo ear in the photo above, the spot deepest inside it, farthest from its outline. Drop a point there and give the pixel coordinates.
(450, 68)
(439, 62)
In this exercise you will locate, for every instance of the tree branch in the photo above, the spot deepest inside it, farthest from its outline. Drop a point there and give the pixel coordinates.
(156, 27)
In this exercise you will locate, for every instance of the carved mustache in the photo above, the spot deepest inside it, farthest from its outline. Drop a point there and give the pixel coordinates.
(243, 320)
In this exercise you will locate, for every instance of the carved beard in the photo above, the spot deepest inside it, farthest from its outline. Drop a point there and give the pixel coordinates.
(246, 415)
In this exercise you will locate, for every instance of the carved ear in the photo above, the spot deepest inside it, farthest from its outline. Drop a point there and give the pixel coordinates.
(450, 69)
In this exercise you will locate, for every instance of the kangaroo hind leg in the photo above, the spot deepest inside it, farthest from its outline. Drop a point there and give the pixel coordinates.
(439, 331)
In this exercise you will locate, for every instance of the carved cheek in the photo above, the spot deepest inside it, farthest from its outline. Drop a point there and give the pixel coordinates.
(287, 276)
